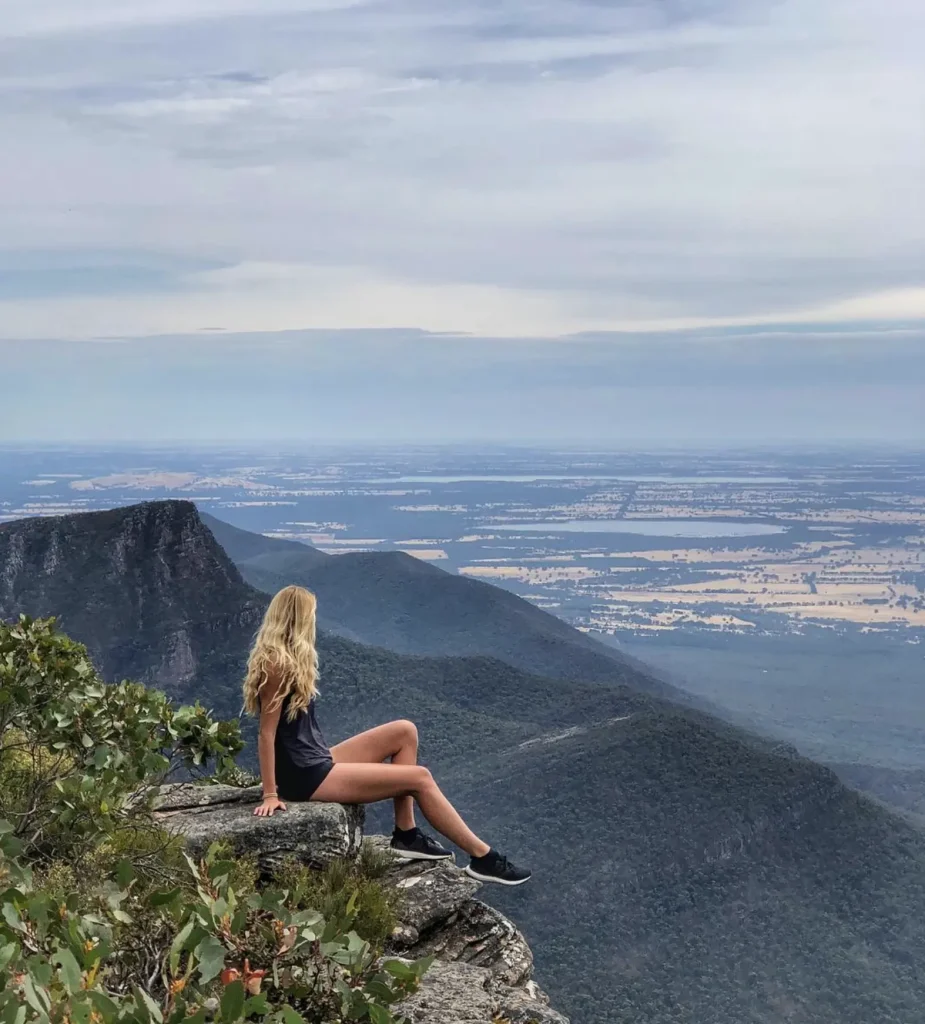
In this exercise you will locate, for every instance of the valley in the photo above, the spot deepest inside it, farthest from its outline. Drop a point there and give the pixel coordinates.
(784, 586)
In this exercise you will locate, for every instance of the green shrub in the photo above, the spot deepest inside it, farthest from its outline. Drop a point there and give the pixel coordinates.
(245, 874)
(78, 757)
(220, 955)
(104, 919)
(346, 887)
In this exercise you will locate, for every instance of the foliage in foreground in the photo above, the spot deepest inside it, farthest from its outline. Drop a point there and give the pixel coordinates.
(345, 888)
(78, 756)
(228, 956)
(161, 940)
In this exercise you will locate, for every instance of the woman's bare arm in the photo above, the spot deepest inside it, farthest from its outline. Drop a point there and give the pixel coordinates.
(266, 747)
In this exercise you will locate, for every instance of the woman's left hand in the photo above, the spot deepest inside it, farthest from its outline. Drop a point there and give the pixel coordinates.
(269, 805)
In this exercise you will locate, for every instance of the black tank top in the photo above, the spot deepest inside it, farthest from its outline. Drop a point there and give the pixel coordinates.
(299, 743)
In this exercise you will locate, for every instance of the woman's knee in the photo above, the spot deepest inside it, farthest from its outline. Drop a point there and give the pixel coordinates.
(407, 730)
(421, 779)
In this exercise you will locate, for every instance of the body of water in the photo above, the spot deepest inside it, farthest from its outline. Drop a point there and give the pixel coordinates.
(650, 527)
(622, 477)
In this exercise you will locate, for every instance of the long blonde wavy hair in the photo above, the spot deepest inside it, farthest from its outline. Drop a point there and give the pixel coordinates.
(285, 647)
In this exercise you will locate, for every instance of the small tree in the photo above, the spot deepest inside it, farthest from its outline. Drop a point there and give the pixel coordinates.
(77, 756)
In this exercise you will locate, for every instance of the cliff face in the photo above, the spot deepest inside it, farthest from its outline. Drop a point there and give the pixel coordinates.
(147, 588)
(484, 967)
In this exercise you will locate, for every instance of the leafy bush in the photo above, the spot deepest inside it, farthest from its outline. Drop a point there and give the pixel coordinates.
(224, 956)
(345, 886)
(77, 756)
(162, 940)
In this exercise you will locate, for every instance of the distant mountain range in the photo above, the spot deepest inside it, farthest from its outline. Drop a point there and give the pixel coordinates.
(391, 599)
(685, 870)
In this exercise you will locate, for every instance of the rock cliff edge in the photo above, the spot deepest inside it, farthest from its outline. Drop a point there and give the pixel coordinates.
(483, 973)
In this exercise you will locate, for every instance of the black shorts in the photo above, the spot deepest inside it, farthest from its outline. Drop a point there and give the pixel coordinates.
(299, 784)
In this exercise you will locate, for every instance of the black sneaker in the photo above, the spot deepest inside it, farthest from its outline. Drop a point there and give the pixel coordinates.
(417, 845)
(495, 868)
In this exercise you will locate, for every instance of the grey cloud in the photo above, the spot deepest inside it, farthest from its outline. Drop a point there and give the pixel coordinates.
(244, 77)
(753, 359)
(681, 159)
(38, 273)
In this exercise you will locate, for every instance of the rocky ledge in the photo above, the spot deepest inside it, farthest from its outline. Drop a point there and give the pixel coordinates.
(483, 973)
(314, 833)
(484, 966)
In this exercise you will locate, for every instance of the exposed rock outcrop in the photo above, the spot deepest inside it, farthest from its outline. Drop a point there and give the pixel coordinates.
(461, 993)
(482, 936)
(482, 957)
(483, 973)
(315, 833)
(451, 994)
(432, 893)
(146, 587)
(439, 915)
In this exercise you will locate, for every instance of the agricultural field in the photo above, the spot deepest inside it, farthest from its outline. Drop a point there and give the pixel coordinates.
(623, 544)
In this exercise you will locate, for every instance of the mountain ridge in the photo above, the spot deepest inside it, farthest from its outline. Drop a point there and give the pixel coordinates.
(78, 567)
(391, 599)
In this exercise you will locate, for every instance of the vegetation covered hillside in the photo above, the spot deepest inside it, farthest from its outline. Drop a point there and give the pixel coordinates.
(390, 599)
(724, 883)
(714, 875)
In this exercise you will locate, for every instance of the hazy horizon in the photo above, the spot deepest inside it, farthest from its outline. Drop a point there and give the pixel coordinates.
(704, 386)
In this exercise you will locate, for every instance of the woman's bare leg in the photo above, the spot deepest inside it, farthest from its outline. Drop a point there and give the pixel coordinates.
(358, 783)
(395, 740)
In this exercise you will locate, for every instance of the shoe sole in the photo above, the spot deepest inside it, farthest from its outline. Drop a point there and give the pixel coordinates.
(491, 878)
(411, 855)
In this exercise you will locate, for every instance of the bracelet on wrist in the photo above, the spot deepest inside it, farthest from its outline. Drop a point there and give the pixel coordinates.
(267, 796)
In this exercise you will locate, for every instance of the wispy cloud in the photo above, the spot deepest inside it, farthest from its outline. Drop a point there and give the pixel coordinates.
(504, 168)
(46, 17)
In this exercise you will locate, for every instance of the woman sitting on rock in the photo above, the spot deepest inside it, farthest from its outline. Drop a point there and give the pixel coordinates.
(296, 764)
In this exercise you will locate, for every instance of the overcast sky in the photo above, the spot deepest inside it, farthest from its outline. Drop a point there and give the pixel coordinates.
(678, 218)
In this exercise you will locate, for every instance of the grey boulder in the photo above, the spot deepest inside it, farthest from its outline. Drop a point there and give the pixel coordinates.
(518, 1006)
(432, 892)
(452, 993)
(313, 833)
(461, 993)
(478, 934)
(484, 966)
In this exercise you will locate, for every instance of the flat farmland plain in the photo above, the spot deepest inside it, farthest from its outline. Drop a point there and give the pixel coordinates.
(620, 543)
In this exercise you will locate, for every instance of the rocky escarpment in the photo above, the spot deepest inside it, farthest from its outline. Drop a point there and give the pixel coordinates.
(484, 966)
(147, 588)
(483, 973)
